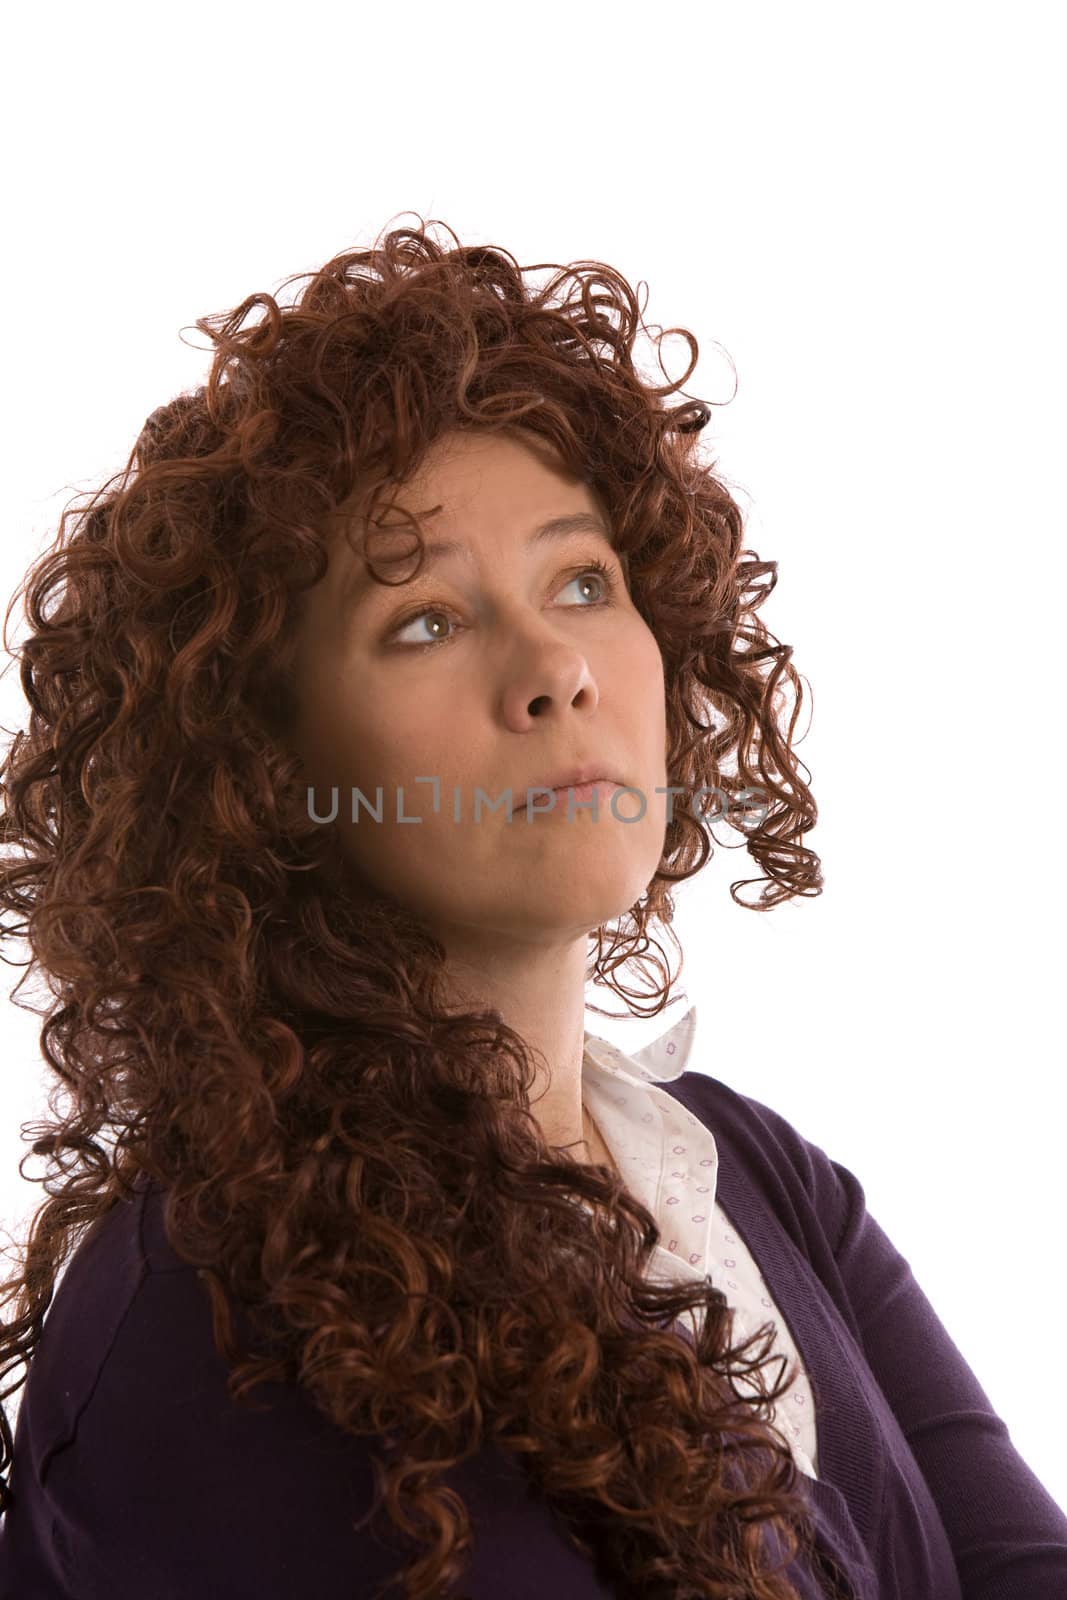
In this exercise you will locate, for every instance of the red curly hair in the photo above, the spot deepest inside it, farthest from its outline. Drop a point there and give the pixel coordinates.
(237, 1017)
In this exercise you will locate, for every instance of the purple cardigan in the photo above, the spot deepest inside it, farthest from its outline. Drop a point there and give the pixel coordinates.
(135, 1477)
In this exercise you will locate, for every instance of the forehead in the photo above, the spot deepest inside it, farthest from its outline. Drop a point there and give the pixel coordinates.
(515, 490)
(390, 555)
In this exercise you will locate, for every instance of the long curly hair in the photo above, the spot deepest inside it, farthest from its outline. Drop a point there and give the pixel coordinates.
(345, 1156)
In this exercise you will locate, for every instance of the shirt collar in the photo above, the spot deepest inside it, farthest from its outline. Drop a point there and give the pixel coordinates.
(661, 1061)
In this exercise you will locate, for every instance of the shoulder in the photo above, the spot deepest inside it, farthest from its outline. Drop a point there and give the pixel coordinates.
(131, 1435)
(121, 1271)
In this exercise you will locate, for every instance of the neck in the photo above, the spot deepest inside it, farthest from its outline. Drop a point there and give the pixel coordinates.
(540, 993)
(599, 1154)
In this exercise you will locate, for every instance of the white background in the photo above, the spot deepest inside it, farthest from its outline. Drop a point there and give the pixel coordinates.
(859, 208)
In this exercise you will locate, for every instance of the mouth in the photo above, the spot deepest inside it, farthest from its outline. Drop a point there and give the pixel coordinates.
(602, 788)
(573, 777)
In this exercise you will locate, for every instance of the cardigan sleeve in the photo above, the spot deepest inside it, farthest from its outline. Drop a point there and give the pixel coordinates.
(1008, 1536)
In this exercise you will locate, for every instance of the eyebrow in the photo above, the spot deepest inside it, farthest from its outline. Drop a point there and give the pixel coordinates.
(555, 528)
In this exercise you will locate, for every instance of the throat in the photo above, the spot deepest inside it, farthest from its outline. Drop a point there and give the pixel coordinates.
(598, 1152)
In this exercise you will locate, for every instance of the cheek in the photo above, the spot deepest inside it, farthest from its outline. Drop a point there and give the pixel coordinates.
(371, 739)
(647, 678)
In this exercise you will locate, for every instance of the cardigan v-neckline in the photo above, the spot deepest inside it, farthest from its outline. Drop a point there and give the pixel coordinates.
(848, 1449)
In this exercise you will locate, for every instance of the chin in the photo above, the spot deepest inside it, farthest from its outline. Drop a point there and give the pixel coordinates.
(573, 906)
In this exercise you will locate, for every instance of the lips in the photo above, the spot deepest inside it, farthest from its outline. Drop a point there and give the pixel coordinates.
(575, 777)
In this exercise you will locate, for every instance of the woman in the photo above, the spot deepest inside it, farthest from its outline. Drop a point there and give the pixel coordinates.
(384, 699)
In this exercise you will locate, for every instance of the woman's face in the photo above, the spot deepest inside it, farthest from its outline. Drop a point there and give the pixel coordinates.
(501, 665)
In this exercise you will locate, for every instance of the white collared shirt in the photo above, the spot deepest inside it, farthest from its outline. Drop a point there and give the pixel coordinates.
(669, 1161)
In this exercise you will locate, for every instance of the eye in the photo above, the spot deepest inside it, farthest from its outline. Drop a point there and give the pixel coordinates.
(599, 569)
(603, 573)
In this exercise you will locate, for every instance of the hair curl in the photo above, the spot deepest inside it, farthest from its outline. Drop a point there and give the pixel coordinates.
(237, 1017)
